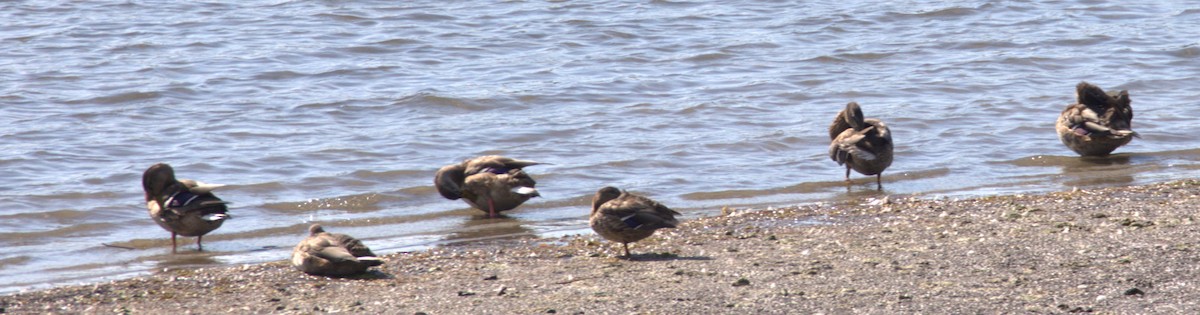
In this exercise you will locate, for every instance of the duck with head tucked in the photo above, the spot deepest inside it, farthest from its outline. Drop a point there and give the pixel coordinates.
(181, 206)
(332, 254)
(1098, 123)
(862, 144)
(622, 217)
(490, 183)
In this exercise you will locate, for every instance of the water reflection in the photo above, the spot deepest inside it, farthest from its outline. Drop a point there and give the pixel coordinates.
(867, 190)
(1094, 171)
(1086, 162)
(480, 227)
(1077, 171)
(188, 260)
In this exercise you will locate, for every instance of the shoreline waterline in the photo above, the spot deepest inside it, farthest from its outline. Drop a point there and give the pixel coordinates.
(1109, 250)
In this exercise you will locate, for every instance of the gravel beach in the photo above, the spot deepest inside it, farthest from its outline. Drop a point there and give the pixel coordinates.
(1120, 250)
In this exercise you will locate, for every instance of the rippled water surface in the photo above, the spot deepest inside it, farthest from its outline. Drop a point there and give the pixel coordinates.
(339, 112)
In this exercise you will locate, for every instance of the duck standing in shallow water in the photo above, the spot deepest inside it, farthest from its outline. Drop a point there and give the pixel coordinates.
(862, 144)
(1097, 123)
(622, 217)
(331, 254)
(182, 207)
(490, 183)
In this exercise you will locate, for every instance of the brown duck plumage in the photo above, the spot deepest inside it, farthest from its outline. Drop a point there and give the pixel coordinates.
(331, 254)
(862, 144)
(622, 217)
(1097, 123)
(490, 183)
(182, 207)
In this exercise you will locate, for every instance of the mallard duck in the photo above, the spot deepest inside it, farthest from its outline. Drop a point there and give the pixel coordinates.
(182, 207)
(1098, 123)
(331, 254)
(862, 144)
(490, 183)
(620, 216)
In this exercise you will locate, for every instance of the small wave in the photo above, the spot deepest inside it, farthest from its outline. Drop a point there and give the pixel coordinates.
(257, 188)
(984, 45)
(366, 202)
(244, 135)
(645, 109)
(740, 194)
(621, 35)
(676, 3)
(428, 17)
(70, 231)
(355, 72)
(941, 13)
(699, 108)
(372, 50)
(708, 57)
(120, 98)
(342, 17)
(1187, 12)
(132, 47)
(398, 42)
(321, 105)
(947, 12)
(1189, 52)
(15, 260)
(60, 197)
(278, 75)
(864, 56)
(826, 59)
(56, 216)
(1043, 160)
(579, 22)
(1092, 40)
(182, 92)
(753, 46)
(426, 99)
(393, 174)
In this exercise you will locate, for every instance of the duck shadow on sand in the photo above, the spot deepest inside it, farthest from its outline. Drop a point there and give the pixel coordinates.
(365, 276)
(662, 257)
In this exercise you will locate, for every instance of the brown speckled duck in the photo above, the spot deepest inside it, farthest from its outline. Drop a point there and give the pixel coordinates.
(1097, 123)
(862, 144)
(331, 254)
(490, 183)
(182, 207)
(622, 217)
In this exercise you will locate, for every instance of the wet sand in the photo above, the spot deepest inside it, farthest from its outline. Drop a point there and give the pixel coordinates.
(1112, 251)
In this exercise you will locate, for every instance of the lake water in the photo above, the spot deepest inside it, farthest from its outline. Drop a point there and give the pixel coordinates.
(339, 112)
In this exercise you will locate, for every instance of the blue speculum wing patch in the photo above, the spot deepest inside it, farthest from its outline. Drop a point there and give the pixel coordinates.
(180, 199)
(631, 221)
(496, 171)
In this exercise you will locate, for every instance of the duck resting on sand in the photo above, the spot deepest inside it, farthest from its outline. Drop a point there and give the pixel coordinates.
(181, 206)
(332, 254)
(1098, 123)
(622, 217)
(490, 183)
(862, 144)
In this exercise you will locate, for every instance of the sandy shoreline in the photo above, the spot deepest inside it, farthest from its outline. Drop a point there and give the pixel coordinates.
(1113, 250)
